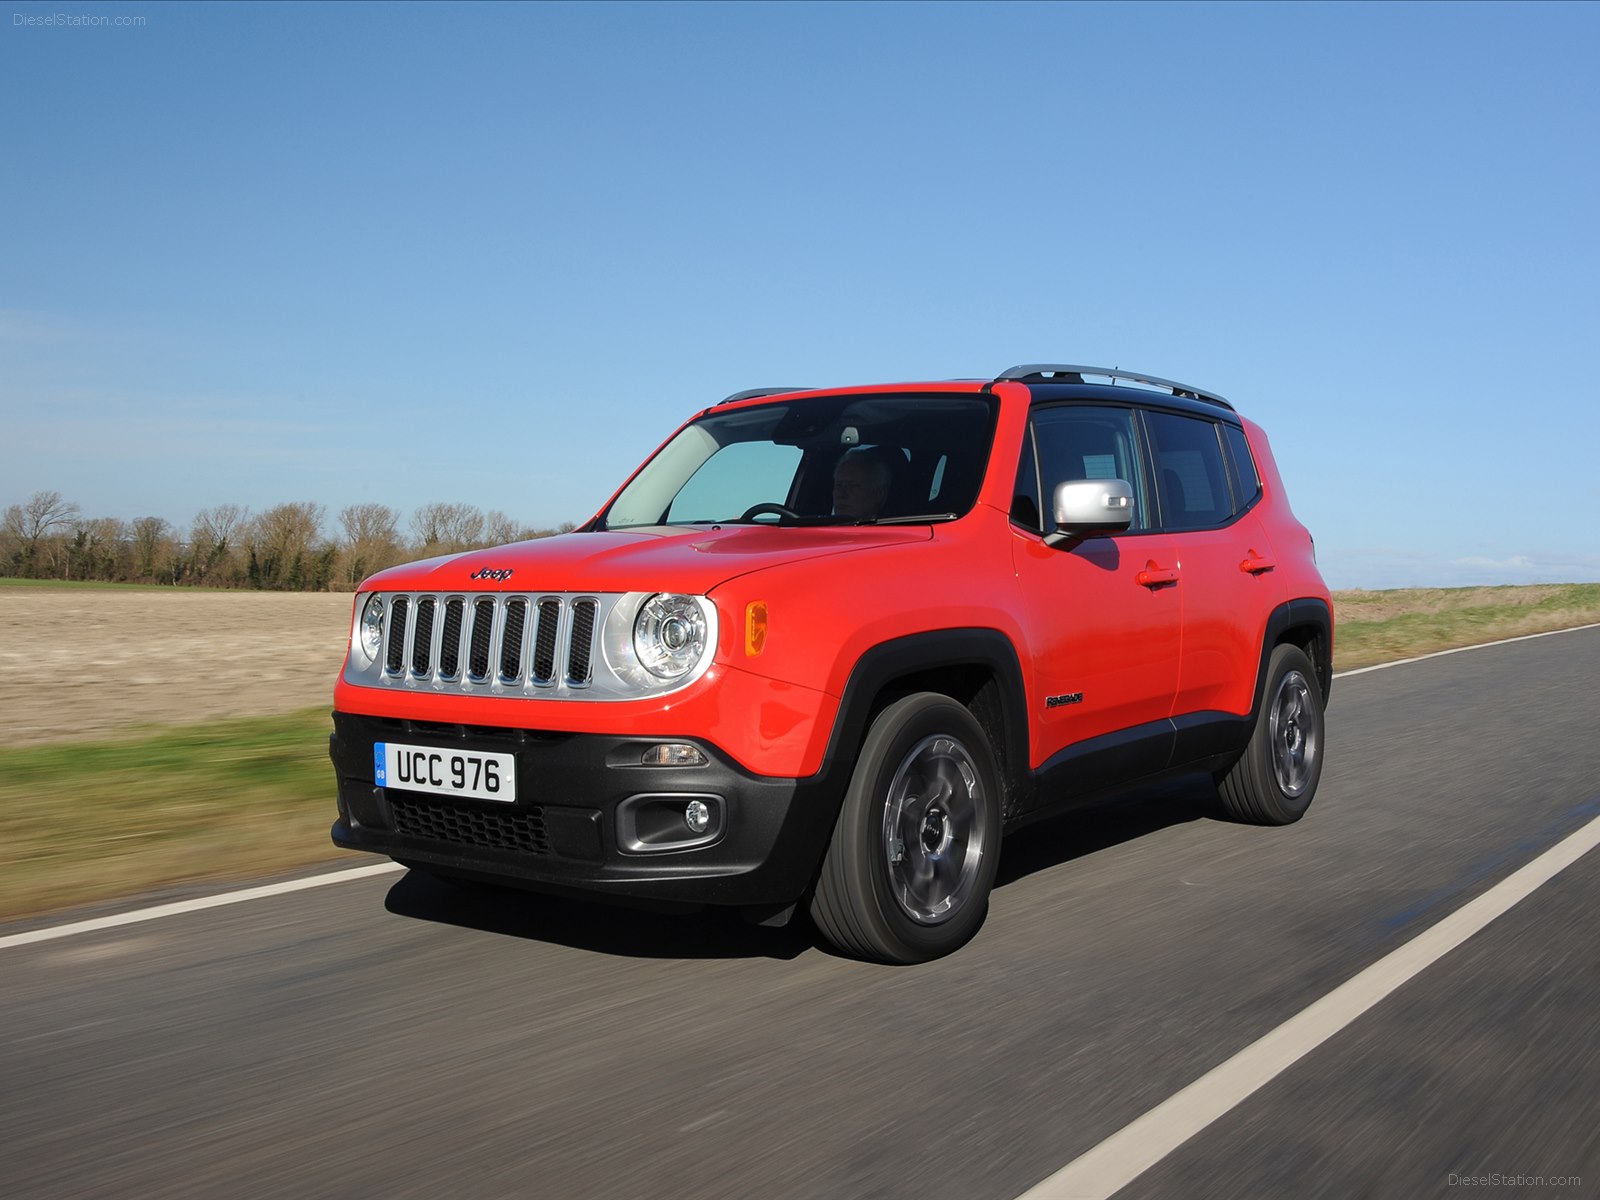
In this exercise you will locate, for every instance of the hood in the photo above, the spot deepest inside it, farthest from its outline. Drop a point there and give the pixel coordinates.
(663, 559)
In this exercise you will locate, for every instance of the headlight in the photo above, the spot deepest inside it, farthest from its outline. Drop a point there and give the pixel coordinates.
(369, 633)
(669, 635)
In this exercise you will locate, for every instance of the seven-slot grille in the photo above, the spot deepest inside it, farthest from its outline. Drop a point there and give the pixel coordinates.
(508, 640)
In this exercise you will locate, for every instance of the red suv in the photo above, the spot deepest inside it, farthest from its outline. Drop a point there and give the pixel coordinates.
(825, 647)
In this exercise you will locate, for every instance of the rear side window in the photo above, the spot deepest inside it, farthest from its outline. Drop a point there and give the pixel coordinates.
(1191, 472)
(1241, 468)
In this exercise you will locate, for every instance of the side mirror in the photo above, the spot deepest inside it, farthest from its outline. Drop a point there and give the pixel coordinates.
(1091, 508)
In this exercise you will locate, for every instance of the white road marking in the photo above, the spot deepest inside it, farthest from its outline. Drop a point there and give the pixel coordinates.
(158, 911)
(1400, 662)
(1135, 1148)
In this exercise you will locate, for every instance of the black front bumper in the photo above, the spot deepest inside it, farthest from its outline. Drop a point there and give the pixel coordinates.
(586, 816)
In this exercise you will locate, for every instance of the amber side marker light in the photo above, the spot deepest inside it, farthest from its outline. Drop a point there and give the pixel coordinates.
(755, 627)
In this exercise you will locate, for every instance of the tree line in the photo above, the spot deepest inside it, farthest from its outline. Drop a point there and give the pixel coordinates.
(285, 548)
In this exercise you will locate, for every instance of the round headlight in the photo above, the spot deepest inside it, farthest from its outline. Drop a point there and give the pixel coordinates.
(669, 635)
(371, 630)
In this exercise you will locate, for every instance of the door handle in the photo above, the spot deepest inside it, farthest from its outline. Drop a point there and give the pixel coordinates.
(1255, 564)
(1153, 576)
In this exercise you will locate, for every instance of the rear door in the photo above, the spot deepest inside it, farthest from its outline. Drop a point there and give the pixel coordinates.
(1227, 571)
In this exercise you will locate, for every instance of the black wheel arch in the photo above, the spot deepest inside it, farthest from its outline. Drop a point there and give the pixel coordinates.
(977, 667)
(1307, 623)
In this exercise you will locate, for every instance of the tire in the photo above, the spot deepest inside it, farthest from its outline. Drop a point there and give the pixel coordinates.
(907, 875)
(1276, 776)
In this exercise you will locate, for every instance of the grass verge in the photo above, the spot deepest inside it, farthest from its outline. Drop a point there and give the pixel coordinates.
(86, 821)
(1375, 627)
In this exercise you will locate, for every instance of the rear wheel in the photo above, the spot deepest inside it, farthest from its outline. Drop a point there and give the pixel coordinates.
(907, 875)
(1276, 776)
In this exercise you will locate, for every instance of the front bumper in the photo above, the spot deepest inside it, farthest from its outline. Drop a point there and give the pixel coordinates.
(588, 817)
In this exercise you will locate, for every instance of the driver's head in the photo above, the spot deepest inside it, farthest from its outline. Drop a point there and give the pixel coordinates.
(860, 484)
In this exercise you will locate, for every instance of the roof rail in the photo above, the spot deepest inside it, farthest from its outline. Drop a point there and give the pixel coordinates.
(1058, 373)
(752, 393)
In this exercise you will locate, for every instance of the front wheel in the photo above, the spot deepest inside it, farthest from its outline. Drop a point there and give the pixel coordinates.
(1276, 776)
(907, 875)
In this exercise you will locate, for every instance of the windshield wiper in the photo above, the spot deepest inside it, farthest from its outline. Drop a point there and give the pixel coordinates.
(830, 520)
(922, 519)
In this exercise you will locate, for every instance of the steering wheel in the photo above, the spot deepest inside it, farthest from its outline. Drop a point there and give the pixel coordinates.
(756, 510)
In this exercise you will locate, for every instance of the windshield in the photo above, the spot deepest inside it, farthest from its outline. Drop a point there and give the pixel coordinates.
(827, 460)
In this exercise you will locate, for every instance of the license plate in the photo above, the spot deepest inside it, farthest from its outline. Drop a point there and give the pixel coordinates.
(476, 773)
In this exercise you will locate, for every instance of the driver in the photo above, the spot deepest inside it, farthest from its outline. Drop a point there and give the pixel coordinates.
(861, 481)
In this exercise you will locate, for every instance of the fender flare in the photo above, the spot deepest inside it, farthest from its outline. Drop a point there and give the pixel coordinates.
(902, 660)
(1309, 613)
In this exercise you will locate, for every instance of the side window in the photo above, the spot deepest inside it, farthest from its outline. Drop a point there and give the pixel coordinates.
(1083, 442)
(1190, 472)
(1241, 468)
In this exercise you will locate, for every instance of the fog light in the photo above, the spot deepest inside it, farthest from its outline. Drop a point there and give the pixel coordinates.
(673, 754)
(697, 816)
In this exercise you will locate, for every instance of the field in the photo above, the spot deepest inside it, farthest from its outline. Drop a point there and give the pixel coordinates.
(161, 736)
(158, 736)
(84, 662)
(1374, 627)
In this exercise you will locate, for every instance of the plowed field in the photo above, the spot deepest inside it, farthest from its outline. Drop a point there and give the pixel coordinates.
(78, 663)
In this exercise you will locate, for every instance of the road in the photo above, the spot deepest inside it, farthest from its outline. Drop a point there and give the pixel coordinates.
(393, 1037)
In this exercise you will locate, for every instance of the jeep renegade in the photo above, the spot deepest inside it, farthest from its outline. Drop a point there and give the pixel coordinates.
(825, 647)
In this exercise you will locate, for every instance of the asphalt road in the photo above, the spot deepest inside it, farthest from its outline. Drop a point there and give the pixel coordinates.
(397, 1038)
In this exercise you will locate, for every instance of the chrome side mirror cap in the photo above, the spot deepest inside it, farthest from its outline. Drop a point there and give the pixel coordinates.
(1091, 508)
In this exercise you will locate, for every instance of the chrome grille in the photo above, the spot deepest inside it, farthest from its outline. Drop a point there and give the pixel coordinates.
(523, 645)
(431, 637)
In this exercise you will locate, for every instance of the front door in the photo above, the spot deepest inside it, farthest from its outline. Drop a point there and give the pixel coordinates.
(1103, 616)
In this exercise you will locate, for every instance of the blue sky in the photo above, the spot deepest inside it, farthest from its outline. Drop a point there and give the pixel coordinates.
(257, 254)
